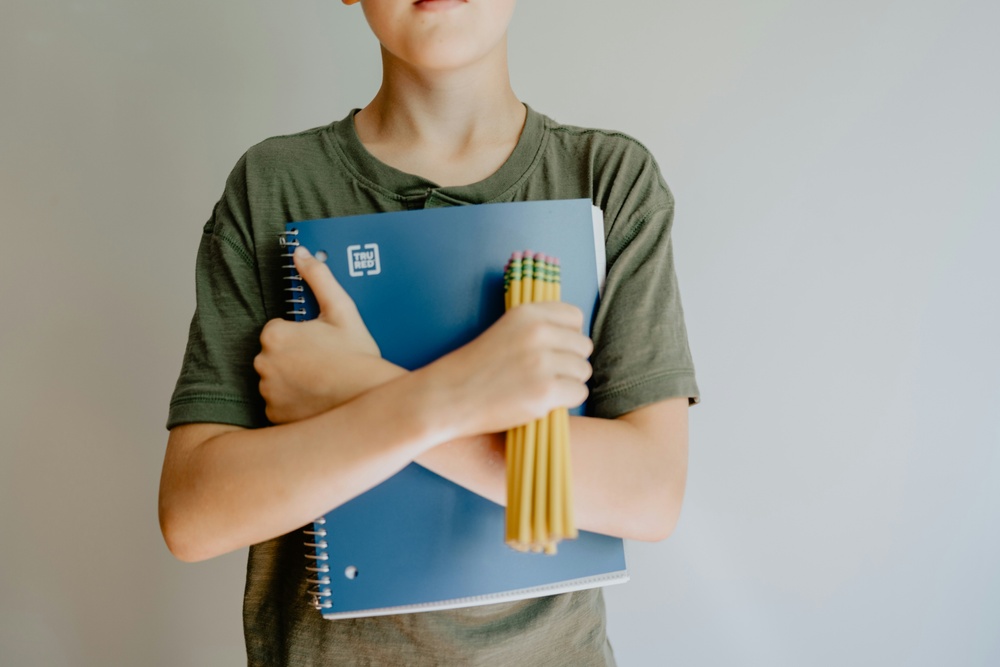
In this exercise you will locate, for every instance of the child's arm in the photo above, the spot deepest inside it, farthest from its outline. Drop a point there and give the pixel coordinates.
(224, 487)
(629, 473)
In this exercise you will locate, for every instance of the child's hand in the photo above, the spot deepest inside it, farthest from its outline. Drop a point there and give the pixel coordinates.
(309, 367)
(531, 361)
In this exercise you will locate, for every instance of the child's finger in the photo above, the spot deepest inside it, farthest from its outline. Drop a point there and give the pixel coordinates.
(334, 303)
(552, 332)
(558, 313)
(569, 393)
(573, 367)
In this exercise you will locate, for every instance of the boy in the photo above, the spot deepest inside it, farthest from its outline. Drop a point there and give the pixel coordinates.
(266, 417)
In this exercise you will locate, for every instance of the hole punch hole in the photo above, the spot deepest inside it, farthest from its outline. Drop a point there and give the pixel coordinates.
(351, 572)
(321, 255)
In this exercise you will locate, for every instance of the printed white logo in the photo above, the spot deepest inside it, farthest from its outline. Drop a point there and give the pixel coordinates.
(363, 260)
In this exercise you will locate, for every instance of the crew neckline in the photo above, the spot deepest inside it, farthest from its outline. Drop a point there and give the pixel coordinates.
(401, 185)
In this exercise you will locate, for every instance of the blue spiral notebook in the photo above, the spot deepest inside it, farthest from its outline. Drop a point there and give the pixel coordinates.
(426, 282)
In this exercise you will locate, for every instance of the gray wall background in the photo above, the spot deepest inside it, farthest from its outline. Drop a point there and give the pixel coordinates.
(836, 171)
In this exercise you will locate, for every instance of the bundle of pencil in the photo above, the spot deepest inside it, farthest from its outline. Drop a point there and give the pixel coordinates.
(539, 483)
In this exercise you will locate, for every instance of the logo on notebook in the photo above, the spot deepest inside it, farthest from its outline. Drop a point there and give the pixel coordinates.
(363, 260)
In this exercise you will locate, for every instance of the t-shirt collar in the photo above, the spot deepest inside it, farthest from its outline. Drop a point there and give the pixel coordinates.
(398, 184)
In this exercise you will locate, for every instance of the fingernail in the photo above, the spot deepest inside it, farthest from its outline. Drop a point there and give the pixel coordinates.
(302, 252)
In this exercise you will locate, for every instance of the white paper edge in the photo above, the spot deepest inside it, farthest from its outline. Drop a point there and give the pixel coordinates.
(608, 579)
(600, 252)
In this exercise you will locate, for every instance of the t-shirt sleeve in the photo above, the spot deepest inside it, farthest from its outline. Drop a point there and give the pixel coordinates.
(217, 381)
(641, 352)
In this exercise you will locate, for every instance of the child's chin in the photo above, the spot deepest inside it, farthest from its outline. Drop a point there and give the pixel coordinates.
(442, 55)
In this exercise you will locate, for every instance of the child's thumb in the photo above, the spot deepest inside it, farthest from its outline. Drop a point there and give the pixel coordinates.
(334, 303)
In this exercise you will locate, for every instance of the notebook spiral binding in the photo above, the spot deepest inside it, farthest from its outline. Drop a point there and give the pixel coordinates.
(295, 289)
(319, 570)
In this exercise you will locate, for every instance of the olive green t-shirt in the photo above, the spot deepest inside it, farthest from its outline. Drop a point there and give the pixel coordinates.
(641, 355)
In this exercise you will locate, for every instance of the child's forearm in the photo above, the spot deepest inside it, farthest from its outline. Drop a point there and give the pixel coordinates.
(629, 480)
(242, 487)
(626, 484)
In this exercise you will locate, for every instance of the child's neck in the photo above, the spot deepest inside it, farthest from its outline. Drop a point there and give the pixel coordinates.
(453, 128)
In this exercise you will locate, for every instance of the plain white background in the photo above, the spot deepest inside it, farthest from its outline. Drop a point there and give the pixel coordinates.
(836, 173)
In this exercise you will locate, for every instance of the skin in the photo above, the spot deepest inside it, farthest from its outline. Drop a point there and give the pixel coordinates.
(445, 111)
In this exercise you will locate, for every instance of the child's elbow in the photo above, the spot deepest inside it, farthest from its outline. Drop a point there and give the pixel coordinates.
(658, 520)
(178, 538)
(172, 537)
(653, 533)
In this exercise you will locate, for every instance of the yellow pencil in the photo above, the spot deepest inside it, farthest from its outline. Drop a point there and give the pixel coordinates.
(554, 458)
(539, 509)
(514, 443)
(509, 440)
(556, 509)
(528, 450)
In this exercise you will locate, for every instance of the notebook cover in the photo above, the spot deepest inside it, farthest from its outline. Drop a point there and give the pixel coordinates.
(426, 282)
